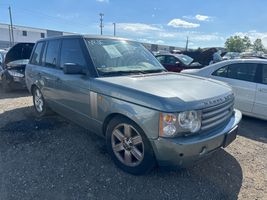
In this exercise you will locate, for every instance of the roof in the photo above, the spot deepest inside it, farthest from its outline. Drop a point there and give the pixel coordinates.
(85, 36)
(238, 60)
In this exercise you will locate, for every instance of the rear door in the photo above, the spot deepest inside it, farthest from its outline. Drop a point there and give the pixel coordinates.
(260, 106)
(242, 78)
(47, 74)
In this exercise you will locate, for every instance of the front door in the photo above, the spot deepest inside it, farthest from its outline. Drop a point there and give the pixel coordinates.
(73, 90)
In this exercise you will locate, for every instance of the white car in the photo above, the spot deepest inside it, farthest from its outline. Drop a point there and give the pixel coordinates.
(248, 77)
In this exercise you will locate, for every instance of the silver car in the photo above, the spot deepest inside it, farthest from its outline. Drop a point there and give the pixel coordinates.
(118, 89)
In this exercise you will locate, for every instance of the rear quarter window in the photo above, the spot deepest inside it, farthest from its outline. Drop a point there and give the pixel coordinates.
(36, 55)
(52, 51)
(222, 72)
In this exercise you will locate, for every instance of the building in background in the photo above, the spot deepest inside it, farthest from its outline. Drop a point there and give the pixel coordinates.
(29, 34)
(24, 34)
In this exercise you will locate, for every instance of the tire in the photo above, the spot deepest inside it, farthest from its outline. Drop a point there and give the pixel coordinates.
(5, 86)
(39, 103)
(129, 147)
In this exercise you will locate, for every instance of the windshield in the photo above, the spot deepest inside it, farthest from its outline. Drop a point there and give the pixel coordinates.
(117, 57)
(185, 59)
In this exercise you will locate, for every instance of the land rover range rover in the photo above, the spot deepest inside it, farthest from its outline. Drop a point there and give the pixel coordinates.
(119, 90)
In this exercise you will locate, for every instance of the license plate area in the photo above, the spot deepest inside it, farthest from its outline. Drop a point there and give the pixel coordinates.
(230, 137)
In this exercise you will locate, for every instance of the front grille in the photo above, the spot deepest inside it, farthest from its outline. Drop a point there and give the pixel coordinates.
(216, 115)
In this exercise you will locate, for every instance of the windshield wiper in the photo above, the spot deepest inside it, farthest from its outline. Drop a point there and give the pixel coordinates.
(154, 71)
(132, 72)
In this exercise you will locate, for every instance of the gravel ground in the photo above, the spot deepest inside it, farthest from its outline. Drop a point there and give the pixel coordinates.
(52, 158)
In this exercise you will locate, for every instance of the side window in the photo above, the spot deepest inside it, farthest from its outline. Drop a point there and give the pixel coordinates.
(264, 74)
(243, 71)
(52, 53)
(71, 52)
(35, 60)
(161, 59)
(171, 60)
(222, 72)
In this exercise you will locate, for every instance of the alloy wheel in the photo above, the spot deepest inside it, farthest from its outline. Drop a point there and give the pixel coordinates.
(38, 101)
(127, 145)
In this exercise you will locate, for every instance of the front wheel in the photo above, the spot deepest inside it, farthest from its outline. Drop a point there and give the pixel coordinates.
(129, 147)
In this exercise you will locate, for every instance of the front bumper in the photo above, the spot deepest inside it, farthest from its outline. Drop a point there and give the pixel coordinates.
(15, 82)
(185, 151)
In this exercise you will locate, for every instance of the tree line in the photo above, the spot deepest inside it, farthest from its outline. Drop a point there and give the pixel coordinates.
(241, 44)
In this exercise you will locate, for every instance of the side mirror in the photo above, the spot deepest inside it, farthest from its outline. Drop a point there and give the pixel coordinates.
(177, 63)
(72, 68)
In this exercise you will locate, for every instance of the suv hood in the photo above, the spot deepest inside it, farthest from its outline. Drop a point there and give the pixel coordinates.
(169, 92)
(20, 51)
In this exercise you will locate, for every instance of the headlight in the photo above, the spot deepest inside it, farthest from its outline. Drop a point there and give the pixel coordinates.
(177, 124)
(15, 73)
(167, 124)
(189, 120)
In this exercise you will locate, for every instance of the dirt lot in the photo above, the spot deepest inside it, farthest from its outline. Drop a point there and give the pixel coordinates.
(51, 158)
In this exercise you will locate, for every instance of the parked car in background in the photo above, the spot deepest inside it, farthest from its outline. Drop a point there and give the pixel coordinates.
(248, 77)
(231, 55)
(12, 72)
(177, 62)
(119, 90)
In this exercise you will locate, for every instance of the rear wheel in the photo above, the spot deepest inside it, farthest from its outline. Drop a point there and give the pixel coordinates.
(129, 147)
(39, 102)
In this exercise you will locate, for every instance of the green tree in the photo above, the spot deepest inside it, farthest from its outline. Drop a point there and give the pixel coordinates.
(258, 46)
(236, 44)
(247, 42)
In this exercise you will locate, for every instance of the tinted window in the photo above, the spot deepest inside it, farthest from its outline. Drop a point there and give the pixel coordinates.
(264, 74)
(35, 60)
(222, 72)
(52, 53)
(71, 52)
(42, 35)
(161, 59)
(243, 71)
(240, 71)
(171, 60)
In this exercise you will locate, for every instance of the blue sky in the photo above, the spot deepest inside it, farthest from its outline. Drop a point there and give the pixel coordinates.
(205, 22)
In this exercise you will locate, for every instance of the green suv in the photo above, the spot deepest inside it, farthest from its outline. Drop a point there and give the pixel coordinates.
(118, 89)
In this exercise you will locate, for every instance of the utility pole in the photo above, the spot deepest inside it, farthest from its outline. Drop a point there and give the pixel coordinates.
(114, 26)
(11, 25)
(9, 33)
(186, 46)
(101, 23)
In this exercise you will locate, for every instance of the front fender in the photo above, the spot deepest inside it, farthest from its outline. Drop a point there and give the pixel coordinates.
(147, 119)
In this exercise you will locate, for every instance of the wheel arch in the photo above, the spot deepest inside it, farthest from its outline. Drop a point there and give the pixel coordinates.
(112, 116)
(33, 87)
